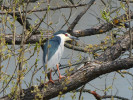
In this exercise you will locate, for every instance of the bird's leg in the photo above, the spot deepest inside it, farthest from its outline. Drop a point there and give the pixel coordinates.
(50, 77)
(60, 76)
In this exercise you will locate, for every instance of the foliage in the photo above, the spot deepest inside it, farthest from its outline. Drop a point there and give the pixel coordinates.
(21, 59)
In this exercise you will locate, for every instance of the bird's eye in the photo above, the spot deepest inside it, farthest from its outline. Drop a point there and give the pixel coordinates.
(66, 34)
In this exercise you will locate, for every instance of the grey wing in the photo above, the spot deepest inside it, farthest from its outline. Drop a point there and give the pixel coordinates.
(54, 53)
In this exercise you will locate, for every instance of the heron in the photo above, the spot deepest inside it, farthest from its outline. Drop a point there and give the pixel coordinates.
(53, 50)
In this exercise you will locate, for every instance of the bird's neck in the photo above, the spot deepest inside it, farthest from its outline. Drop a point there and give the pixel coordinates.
(62, 40)
(63, 37)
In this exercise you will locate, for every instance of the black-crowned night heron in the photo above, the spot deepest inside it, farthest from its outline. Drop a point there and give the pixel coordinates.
(53, 50)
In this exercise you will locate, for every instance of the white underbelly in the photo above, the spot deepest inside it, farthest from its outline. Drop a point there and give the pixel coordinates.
(55, 59)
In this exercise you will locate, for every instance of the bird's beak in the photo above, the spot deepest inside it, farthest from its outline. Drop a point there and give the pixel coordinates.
(73, 38)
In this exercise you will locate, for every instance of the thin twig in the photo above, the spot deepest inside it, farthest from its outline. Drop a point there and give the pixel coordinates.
(81, 91)
(130, 34)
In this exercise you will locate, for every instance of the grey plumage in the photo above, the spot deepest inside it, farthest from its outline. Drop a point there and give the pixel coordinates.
(53, 50)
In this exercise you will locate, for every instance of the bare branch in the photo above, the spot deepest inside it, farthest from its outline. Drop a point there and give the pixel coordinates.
(45, 9)
(79, 16)
(32, 40)
(114, 96)
(105, 27)
(116, 50)
(85, 74)
(104, 96)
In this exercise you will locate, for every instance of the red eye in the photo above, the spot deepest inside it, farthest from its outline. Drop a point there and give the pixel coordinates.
(66, 34)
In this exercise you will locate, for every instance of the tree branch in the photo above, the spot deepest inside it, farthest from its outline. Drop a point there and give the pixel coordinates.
(110, 54)
(105, 27)
(79, 16)
(51, 8)
(99, 97)
(32, 40)
(85, 74)
(117, 49)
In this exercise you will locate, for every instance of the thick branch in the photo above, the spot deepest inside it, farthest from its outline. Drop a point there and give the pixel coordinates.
(102, 28)
(117, 49)
(32, 40)
(85, 74)
(110, 54)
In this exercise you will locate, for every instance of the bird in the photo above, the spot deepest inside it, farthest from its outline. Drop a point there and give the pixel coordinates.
(53, 50)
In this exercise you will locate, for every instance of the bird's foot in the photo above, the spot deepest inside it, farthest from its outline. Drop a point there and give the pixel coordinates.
(60, 77)
(50, 81)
